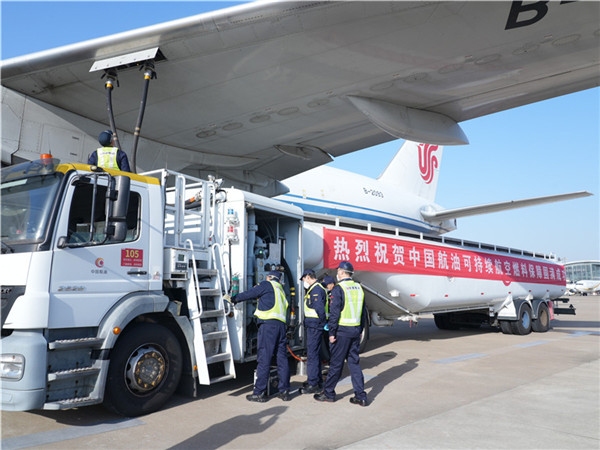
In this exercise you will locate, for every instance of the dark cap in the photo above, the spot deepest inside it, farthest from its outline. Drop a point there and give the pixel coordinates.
(274, 273)
(346, 267)
(328, 280)
(105, 138)
(308, 272)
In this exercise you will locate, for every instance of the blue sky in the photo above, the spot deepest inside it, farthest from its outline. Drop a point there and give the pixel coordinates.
(546, 148)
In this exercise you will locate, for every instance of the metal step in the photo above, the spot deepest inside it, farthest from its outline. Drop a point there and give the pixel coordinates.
(207, 272)
(68, 344)
(219, 357)
(72, 373)
(209, 292)
(69, 403)
(207, 314)
(214, 335)
(221, 378)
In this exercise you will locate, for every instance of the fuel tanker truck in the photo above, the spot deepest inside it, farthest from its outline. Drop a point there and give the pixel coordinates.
(114, 284)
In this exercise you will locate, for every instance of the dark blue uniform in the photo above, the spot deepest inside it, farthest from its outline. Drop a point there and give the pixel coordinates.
(271, 339)
(346, 347)
(314, 332)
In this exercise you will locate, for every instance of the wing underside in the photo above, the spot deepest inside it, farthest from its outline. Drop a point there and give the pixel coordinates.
(265, 90)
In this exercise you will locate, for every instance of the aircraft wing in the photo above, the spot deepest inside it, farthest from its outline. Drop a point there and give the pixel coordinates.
(447, 214)
(265, 90)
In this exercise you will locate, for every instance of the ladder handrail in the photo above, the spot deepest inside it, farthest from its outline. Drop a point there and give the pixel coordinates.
(196, 281)
(224, 276)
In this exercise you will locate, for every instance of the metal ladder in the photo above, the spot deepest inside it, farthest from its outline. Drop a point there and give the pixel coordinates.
(194, 229)
(208, 314)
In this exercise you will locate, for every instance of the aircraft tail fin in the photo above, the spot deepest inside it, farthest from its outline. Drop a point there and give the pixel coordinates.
(415, 168)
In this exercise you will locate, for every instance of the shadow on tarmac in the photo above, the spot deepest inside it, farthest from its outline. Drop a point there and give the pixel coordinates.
(222, 433)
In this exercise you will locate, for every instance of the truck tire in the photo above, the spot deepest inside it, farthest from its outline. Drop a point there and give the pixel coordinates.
(522, 325)
(364, 338)
(542, 323)
(144, 370)
(443, 321)
(365, 334)
(505, 326)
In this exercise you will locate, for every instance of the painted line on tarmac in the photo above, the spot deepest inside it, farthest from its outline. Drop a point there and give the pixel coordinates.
(459, 358)
(65, 434)
(531, 344)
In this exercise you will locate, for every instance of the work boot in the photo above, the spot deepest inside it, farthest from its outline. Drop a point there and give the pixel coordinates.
(323, 398)
(356, 401)
(285, 396)
(261, 398)
(311, 389)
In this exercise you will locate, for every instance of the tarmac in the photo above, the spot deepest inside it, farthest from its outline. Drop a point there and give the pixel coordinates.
(428, 389)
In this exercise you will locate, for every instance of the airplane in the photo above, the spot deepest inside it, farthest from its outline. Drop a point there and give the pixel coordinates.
(584, 287)
(335, 199)
(262, 91)
(326, 195)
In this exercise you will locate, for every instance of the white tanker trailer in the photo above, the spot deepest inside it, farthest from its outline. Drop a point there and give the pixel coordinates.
(462, 283)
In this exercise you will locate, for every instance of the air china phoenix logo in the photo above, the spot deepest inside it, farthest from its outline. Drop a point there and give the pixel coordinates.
(428, 162)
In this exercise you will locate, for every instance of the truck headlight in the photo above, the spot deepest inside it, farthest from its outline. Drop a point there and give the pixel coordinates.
(12, 366)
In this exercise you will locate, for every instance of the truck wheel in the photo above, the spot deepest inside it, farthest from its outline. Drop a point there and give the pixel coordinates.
(144, 370)
(364, 338)
(522, 325)
(542, 323)
(443, 321)
(506, 327)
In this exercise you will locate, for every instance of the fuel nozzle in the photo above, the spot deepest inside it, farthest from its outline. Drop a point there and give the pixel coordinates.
(111, 78)
(149, 72)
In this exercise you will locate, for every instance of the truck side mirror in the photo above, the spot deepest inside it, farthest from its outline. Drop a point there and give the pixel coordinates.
(116, 228)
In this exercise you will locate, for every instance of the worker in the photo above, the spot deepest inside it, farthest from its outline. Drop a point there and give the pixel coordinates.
(271, 314)
(108, 156)
(345, 328)
(328, 282)
(315, 300)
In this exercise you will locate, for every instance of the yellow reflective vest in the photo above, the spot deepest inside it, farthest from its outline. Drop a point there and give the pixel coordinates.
(279, 309)
(107, 157)
(308, 311)
(354, 298)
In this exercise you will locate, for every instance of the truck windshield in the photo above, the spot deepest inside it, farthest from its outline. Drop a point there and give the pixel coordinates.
(27, 196)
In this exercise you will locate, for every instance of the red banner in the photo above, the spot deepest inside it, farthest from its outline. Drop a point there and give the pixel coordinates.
(394, 255)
